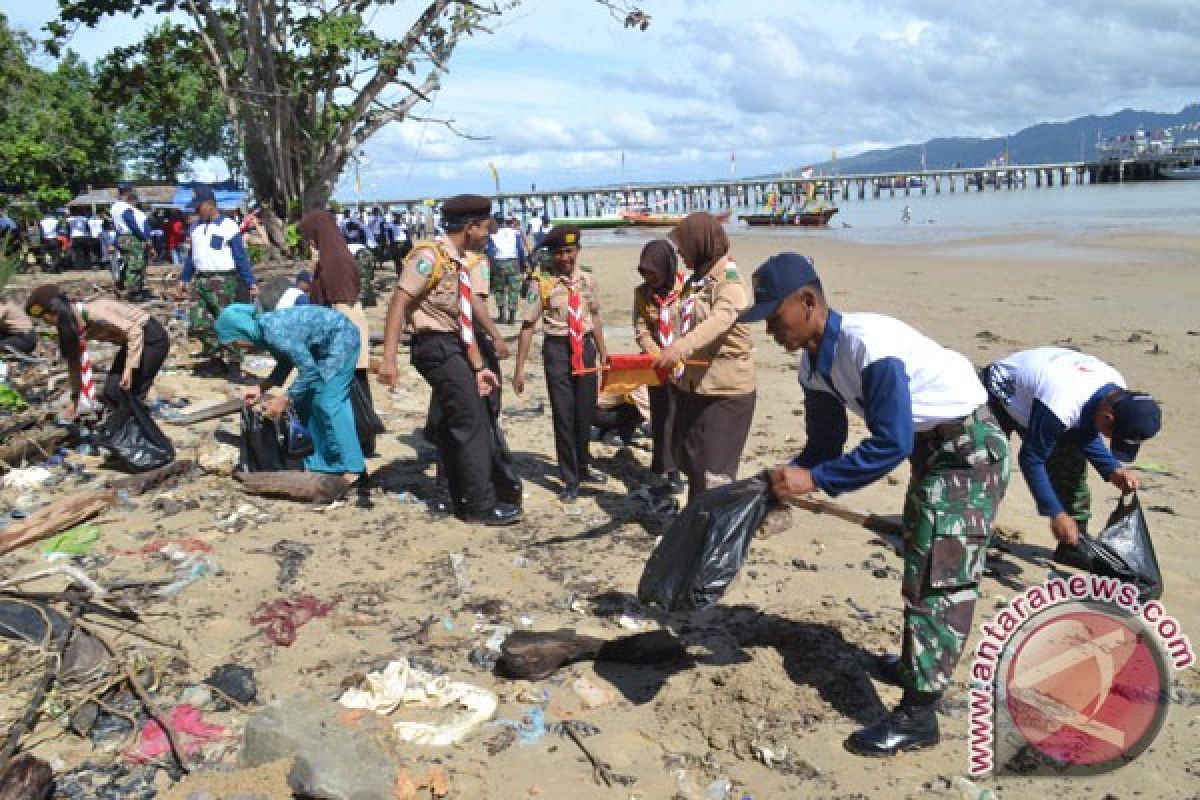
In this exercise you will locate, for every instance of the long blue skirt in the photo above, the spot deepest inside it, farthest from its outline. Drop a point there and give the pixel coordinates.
(329, 418)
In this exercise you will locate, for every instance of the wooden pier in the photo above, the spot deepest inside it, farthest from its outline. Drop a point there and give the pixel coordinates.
(754, 193)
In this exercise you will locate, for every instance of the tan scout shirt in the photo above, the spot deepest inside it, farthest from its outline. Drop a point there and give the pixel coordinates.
(718, 338)
(437, 306)
(547, 301)
(13, 319)
(646, 318)
(110, 320)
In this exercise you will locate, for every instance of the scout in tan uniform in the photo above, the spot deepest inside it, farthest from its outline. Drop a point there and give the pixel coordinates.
(568, 303)
(435, 294)
(16, 330)
(714, 401)
(144, 342)
(655, 326)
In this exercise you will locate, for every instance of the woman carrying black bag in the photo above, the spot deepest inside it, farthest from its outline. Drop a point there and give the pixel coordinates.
(144, 343)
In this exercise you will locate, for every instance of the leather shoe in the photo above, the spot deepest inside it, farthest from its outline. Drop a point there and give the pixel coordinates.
(888, 668)
(911, 726)
(569, 495)
(497, 516)
(438, 505)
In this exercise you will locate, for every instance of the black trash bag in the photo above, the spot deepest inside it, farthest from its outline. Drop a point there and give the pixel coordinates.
(263, 445)
(1124, 550)
(132, 438)
(703, 549)
(367, 424)
(505, 477)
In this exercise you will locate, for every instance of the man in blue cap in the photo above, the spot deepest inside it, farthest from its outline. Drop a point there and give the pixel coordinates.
(218, 262)
(923, 403)
(132, 240)
(1064, 403)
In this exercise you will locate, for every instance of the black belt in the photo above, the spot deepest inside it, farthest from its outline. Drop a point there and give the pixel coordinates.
(956, 427)
(436, 335)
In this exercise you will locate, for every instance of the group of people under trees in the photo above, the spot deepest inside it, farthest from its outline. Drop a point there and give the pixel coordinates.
(692, 310)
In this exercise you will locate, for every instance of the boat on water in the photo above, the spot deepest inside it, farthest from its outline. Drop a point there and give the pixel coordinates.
(593, 223)
(1188, 173)
(652, 219)
(809, 218)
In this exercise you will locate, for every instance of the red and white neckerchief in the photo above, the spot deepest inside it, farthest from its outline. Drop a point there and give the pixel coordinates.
(575, 322)
(466, 316)
(666, 334)
(87, 386)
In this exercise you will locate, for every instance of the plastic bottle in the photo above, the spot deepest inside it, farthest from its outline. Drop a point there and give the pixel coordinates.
(969, 790)
(718, 789)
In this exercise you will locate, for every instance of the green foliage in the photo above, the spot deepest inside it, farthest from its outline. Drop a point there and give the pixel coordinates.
(55, 137)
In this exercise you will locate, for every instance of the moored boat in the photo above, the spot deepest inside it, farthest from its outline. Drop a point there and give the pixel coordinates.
(664, 218)
(809, 218)
(593, 223)
(1188, 173)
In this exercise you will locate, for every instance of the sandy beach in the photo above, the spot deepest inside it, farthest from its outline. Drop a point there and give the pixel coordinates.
(779, 671)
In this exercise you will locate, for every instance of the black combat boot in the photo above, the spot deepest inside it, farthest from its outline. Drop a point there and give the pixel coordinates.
(912, 725)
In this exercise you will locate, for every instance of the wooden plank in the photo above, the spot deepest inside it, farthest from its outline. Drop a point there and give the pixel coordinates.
(230, 406)
(54, 519)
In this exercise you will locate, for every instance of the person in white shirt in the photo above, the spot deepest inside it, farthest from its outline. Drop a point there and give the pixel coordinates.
(133, 239)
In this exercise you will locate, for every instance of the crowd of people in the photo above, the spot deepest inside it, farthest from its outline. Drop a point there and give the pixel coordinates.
(693, 311)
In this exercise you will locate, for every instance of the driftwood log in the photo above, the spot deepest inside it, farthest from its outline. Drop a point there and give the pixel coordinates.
(313, 487)
(144, 482)
(56, 518)
(231, 406)
(37, 443)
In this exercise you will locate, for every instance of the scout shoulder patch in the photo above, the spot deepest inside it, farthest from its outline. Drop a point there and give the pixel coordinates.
(731, 273)
(424, 266)
(487, 272)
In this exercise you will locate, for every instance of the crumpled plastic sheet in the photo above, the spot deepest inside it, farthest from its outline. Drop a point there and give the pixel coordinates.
(282, 618)
(401, 687)
(189, 725)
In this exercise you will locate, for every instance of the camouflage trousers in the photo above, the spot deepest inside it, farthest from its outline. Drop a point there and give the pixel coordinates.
(213, 293)
(506, 285)
(133, 279)
(959, 474)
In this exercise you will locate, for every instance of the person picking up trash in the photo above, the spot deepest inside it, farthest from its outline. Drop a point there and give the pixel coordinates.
(1064, 403)
(923, 403)
(143, 341)
(322, 346)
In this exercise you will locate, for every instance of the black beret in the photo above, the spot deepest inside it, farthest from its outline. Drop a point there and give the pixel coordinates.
(467, 206)
(562, 236)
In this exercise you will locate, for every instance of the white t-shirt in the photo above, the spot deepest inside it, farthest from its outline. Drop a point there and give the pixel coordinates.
(1063, 380)
(505, 242)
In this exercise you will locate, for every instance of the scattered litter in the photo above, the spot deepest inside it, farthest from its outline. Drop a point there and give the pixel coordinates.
(532, 410)
(234, 682)
(282, 618)
(291, 557)
(188, 724)
(403, 688)
(591, 695)
(73, 542)
(27, 478)
(458, 564)
(191, 568)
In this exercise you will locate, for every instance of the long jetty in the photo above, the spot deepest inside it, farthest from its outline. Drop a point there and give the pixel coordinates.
(750, 193)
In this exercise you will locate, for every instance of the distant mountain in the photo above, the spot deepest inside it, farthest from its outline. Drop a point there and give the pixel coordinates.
(1046, 143)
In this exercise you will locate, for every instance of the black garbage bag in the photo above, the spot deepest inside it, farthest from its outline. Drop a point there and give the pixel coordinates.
(367, 424)
(505, 477)
(703, 549)
(263, 445)
(132, 438)
(1123, 550)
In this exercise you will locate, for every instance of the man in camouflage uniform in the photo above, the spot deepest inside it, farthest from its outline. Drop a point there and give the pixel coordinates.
(133, 237)
(506, 252)
(921, 402)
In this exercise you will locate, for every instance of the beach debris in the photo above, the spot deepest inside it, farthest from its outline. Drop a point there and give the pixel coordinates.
(232, 682)
(56, 518)
(189, 568)
(217, 458)
(591, 695)
(291, 556)
(228, 407)
(434, 782)
(532, 410)
(282, 618)
(190, 728)
(26, 777)
(27, 478)
(73, 542)
(969, 790)
(312, 487)
(1163, 510)
(402, 688)
(601, 771)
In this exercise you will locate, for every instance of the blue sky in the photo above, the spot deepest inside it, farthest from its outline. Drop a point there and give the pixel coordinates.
(561, 89)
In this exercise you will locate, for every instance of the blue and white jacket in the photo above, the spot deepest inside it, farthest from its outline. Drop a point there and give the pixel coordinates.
(898, 380)
(217, 247)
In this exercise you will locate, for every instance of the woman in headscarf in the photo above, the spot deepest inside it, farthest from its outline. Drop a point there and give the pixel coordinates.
(322, 345)
(337, 283)
(714, 400)
(655, 323)
(143, 341)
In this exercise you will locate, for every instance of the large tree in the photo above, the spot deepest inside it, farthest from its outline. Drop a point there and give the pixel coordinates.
(55, 135)
(307, 82)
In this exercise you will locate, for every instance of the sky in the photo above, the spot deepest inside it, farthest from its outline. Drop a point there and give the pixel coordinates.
(564, 96)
